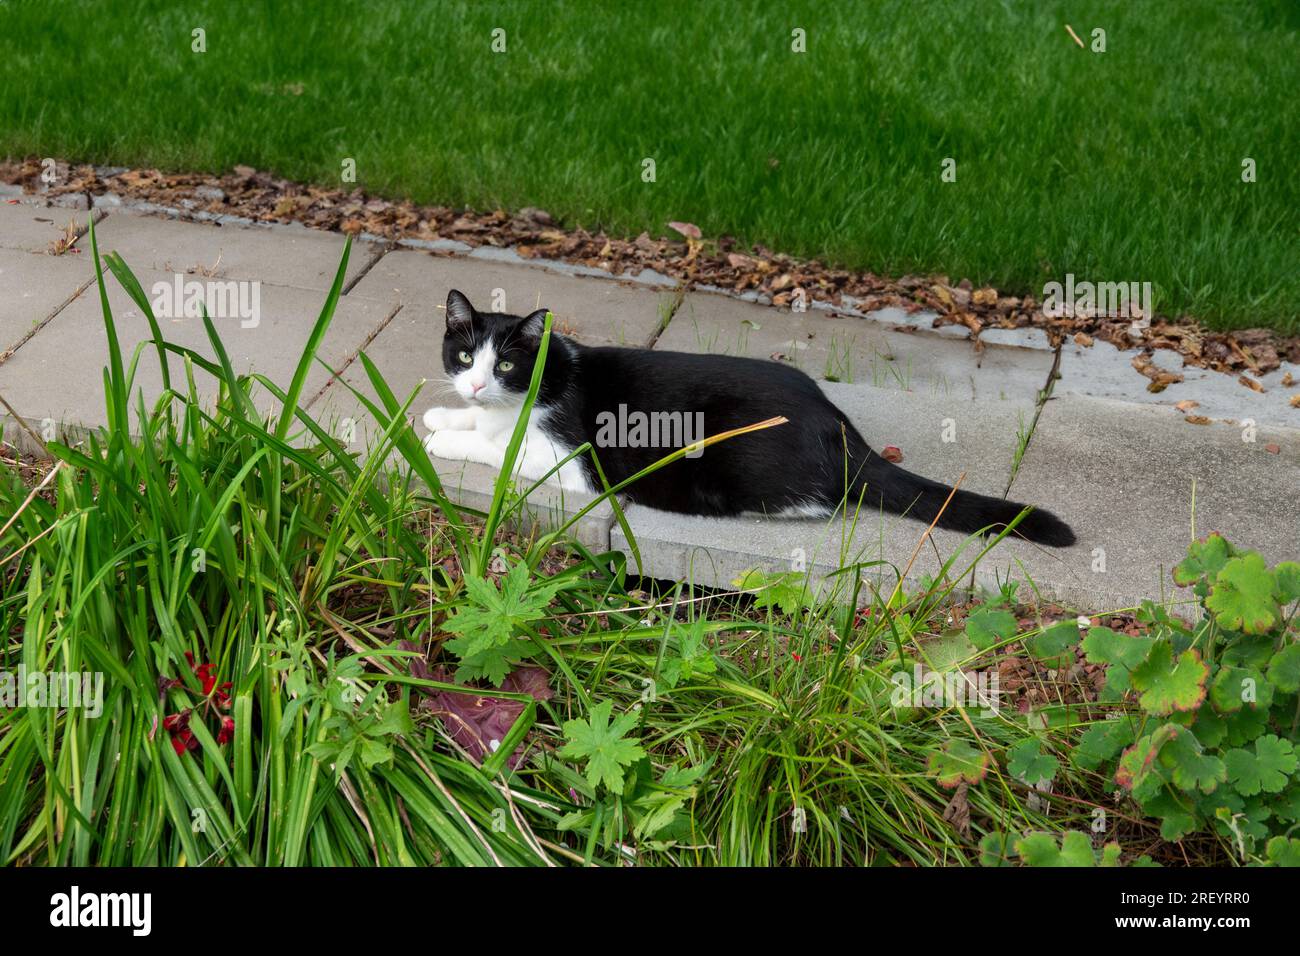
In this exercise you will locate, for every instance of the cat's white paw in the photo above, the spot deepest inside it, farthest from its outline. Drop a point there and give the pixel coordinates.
(449, 419)
(463, 446)
(446, 444)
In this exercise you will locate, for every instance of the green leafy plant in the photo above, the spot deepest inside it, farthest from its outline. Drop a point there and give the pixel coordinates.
(1073, 849)
(988, 626)
(1211, 743)
(491, 626)
(956, 762)
(363, 726)
(783, 591)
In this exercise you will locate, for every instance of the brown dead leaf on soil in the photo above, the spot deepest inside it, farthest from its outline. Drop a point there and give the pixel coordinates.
(957, 812)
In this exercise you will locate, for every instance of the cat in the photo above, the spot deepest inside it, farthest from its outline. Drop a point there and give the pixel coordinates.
(811, 466)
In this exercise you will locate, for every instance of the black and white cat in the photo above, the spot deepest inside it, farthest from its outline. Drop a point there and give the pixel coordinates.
(810, 467)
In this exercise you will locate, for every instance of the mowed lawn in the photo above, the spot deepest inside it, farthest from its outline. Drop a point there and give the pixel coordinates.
(1117, 166)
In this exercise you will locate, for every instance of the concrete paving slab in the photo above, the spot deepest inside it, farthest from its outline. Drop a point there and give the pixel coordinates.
(35, 287)
(714, 551)
(285, 255)
(1103, 371)
(603, 312)
(1126, 478)
(407, 351)
(57, 373)
(846, 348)
(36, 228)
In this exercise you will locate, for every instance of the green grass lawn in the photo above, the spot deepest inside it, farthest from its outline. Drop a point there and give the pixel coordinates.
(1117, 166)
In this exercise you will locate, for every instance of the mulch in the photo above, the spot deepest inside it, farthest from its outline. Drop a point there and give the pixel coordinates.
(688, 257)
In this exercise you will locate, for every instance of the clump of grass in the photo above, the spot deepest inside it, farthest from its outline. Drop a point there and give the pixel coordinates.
(277, 621)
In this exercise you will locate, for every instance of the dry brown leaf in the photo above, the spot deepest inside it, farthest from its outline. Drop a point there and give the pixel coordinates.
(1250, 383)
(892, 453)
(1295, 401)
(1273, 449)
(987, 296)
(1160, 378)
(1197, 420)
(1083, 339)
(1186, 405)
(957, 812)
(1287, 379)
(687, 229)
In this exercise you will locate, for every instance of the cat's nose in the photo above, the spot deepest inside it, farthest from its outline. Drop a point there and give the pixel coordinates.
(477, 387)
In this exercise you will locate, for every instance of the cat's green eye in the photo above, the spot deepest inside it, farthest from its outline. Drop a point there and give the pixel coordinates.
(505, 366)
(465, 358)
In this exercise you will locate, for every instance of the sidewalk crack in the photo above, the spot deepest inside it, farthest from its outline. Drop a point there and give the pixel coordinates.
(361, 273)
(679, 296)
(8, 353)
(1044, 394)
(338, 373)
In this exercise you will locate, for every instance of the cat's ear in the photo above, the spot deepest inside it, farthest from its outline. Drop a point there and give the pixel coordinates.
(460, 314)
(533, 326)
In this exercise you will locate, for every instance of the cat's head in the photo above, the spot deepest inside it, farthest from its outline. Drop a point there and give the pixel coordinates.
(489, 356)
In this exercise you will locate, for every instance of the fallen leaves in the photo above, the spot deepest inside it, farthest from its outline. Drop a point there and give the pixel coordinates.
(1186, 405)
(1196, 420)
(1160, 378)
(62, 244)
(480, 723)
(1250, 383)
(692, 259)
(891, 453)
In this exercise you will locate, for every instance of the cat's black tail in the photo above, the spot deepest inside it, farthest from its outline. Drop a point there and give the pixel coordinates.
(890, 488)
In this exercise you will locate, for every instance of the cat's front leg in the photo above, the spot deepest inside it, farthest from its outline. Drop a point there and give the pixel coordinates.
(465, 446)
(451, 419)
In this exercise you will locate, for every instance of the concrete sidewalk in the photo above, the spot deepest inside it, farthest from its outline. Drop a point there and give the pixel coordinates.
(1117, 462)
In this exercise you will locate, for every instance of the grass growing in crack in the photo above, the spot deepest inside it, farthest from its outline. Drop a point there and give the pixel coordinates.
(299, 646)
